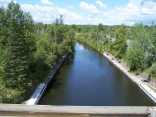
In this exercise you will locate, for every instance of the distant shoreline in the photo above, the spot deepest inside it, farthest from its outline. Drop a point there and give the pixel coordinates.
(137, 80)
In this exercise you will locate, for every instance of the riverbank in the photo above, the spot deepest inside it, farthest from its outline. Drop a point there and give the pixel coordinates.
(136, 79)
(42, 86)
(54, 70)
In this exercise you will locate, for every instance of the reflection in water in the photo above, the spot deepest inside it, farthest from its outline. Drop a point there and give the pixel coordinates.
(87, 78)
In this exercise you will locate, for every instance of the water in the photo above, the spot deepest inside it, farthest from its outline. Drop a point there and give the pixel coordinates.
(89, 79)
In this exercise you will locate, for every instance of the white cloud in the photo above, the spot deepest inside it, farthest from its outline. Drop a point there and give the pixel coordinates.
(46, 2)
(134, 11)
(39, 13)
(4, 2)
(145, 11)
(48, 14)
(89, 8)
(101, 4)
(71, 7)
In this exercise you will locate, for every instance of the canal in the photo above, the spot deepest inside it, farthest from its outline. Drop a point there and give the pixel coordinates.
(87, 78)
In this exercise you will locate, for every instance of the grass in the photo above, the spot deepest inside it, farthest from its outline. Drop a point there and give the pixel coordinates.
(146, 71)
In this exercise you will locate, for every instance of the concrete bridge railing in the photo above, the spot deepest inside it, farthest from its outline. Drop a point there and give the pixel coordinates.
(117, 111)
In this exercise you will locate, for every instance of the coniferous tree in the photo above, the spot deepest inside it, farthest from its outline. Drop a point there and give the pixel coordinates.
(19, 45)
(26, 57)
(17, 66)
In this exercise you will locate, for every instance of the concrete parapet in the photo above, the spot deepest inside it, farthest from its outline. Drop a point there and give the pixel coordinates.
(152, 112)
(79, 110)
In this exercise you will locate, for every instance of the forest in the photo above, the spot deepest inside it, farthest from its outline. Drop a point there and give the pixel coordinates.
(136, 45)
(28, 51)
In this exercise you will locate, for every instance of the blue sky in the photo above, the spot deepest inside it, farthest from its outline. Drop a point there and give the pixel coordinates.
(108, 12)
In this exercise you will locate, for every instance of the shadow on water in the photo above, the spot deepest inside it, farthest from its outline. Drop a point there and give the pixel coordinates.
(57, 80)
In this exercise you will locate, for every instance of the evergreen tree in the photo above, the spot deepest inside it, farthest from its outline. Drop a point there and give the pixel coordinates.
(18, 45)
(119, 46)
(26, 57)
(17, 66)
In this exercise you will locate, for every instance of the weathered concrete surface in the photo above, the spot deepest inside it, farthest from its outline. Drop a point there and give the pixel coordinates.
(148, 91)
(63, 115)
(37, 94)
(76, 110)
(152, 112)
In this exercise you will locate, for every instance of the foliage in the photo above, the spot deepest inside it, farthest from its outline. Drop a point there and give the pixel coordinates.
(135, 44)
(119, 46)
(28, 51)
(135, 59)
(153, 70)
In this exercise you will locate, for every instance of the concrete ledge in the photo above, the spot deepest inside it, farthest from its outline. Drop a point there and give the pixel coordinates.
(37, 94)
(93, 110)
(55, 69)
(42, 86)
(148, 91)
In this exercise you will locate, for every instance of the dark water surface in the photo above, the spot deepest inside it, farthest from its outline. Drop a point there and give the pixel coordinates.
(89, 79)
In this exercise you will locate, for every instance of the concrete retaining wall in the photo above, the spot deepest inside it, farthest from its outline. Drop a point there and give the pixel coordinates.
(42, 86)
(148, 91)
(37, 94)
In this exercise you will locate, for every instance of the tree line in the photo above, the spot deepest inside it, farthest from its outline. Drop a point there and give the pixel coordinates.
(136, 45)
(28, 51)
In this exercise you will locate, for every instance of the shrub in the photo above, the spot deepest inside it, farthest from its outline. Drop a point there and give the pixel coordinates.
(153, 70)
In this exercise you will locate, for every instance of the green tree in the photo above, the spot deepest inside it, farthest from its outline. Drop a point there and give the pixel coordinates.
(140, 44)
(28, 50)
(16, 68)
(17, 45)
(135, 59)
(100, 27)
(152, 46)
(119, 46)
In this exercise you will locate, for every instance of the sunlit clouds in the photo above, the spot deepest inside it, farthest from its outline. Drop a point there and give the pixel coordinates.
(93, 12)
